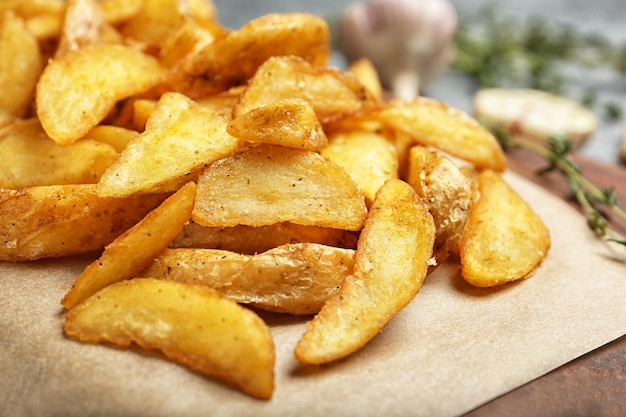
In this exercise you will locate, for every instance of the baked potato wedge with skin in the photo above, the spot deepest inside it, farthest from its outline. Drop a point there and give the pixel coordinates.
(432, 123)
(136, 248)
(249, 240)
(447, 191)
(84, 23)
(61, 220)
(234, 58)
(30, 158)
(333, 94)
(368, 157)
(191, 324)
(504, 240)
(294, 278)
(391, 262)
(21, 64)
(78, 90)
(180, 140)
(268, 184)
(291, 122)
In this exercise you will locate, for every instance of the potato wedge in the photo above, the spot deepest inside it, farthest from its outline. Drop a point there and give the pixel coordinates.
(180, 140)
(61, 220)
(249, 240)
(366, 73)
(294, 278)
(234, 58)
(368, 157)
(332, 94)
(136, 248)
(269, 184)
(31, 158)
(290, 122)
(21, 64)
(432, 123)
(115, 136)
(77, 90)
(191, 324)
(84, 24)
(391, 262)
(504, 239)
(447, 191)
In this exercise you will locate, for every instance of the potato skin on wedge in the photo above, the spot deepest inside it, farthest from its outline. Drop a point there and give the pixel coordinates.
(391, 262)
(504, 239)
(191, 324)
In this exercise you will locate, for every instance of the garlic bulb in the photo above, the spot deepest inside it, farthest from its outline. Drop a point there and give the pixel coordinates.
(410, 42)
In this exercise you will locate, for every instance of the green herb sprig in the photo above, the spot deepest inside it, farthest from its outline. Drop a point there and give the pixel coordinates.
(501, 51)
(589, 196)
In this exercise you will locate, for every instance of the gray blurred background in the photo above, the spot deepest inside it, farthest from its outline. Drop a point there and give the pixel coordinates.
(605, 17)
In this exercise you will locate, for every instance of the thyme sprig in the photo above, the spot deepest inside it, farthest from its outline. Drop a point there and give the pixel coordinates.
(588, 195)
(498, 50)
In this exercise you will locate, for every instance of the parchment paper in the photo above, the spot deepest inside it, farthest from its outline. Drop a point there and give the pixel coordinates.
(453, 348)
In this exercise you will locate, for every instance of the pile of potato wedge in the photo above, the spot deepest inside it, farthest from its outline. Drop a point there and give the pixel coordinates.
(216, 172)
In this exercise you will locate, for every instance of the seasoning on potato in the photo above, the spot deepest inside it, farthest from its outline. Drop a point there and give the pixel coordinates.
(214, 168)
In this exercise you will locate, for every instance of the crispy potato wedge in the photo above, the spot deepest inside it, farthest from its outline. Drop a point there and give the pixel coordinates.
(294, 278)
(191, 324)
(250, 240)
(156, 21)
(77, 90)
(21, 64)
(84, 24)
(61, 220)
(290, 122)
(368, 157)
(433, 123)
(234, 58)
(115, 136)
(447, 191)
(367, 74)
(391, 262)
(117, 12)
(31, 158)
(136, 248)
(180, 140)
(268, 184)
(332, 94)
(504, 239)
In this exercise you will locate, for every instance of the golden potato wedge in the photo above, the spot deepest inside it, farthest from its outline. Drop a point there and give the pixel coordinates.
(84, 23)
(31, 158)
(430, 122)
(132, 251)
(294, 278)
(391, 262)
(76, 91)
(234, 58)
(45, 28)
(29, 8)
(20, 65)
(447, 191)
(268, 184)
(332, 94)
(250, 240)
(180, 140)
(191, 324)
(504, 239)
(115, 136)
(368, 157)
(156, 21)
(117, 12)
(366, 73)
(61, 220)
(290, 122)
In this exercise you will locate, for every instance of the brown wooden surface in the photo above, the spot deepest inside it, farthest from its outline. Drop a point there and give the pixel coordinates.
(594, 384)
